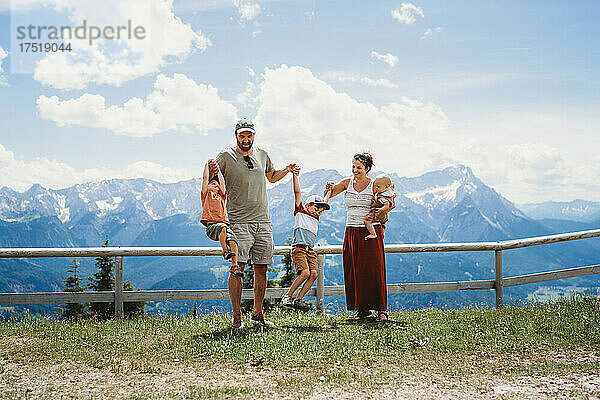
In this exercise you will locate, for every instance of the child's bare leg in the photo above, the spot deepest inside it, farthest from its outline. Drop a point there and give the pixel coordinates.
(308, 284)
(370, 228)
(234, 249)
(223, 238)
(304, 275)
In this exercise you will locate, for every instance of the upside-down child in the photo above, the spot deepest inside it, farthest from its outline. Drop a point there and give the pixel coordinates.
(214, 214)
(304, 258)
(383, 202)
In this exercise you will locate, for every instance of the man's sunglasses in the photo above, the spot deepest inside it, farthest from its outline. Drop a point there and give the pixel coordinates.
(249, 162)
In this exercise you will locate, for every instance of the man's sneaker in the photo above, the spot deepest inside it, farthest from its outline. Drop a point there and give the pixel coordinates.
(227, 254)
(287, 301)
(299, 304)
(237, 322)
(259, 319)
(237, 270)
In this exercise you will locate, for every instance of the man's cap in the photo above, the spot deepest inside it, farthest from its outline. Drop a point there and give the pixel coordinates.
(318, 200)
(244, 125)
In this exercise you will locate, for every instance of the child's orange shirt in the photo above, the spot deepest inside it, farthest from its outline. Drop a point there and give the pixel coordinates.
(213, 205)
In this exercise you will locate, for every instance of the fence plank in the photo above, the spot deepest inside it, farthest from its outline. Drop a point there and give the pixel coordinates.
(499, 282)
(431, 287)
(57, 297)
(34, 252)
(119, 312)
(552, 275)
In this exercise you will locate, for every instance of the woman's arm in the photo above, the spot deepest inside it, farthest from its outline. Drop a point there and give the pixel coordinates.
(338, 187)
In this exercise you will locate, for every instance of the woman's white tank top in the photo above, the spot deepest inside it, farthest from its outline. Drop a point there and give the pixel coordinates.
(358, 204)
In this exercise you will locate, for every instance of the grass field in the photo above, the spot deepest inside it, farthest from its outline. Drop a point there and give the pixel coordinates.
(529, 351)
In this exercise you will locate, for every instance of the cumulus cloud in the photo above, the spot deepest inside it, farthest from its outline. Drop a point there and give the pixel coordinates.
(3, 78)
(429, 32)
(407, 13)
(388, 58)
(247, 9)
(341, 77)
(20, 175)
(177, 103)
(302, 118)
(113, 62)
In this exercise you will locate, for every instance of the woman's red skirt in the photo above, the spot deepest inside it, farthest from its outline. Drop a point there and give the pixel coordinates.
(364, 270)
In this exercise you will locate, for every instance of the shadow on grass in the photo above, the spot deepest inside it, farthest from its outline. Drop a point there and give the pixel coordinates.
(229, 332)
(371, 323)
(310, 328)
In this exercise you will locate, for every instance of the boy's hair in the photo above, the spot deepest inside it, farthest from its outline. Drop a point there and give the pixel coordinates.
(215, 177)
(316, 205)
(383, 180)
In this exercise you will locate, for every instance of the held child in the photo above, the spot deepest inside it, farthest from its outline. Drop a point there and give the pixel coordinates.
(381, 205)
(214, 215)
(306, 223)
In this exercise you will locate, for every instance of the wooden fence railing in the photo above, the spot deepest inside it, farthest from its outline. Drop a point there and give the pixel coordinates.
(119, 296)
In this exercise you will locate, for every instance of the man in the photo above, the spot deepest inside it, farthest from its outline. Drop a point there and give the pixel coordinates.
(245, 168)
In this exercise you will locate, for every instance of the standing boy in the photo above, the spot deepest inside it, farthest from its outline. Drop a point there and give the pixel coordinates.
(304, 258)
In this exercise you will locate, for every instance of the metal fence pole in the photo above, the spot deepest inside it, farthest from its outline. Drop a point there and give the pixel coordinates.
(499, 285)
(119, 312)
(320, 283)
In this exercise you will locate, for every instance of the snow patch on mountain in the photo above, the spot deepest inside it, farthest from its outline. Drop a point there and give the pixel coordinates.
(434, 195)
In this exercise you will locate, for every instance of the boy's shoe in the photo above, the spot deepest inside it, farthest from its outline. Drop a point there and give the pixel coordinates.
(237, 270)
(227, 254)
(287, 301)
(299, 304)
(259, 319)
(237, 322)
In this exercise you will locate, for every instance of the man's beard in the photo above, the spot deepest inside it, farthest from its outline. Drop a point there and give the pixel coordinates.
(244, 147)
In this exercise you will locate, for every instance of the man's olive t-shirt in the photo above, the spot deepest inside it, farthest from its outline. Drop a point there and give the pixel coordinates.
(246, 188)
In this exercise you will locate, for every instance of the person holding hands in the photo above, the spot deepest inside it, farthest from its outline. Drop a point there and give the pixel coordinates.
(304, 258)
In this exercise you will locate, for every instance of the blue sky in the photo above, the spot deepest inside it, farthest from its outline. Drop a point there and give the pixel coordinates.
(509, 88)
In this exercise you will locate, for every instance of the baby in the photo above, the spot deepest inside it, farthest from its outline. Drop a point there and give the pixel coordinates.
(381, 205)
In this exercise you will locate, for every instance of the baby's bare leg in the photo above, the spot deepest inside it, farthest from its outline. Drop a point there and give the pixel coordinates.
(370, 227)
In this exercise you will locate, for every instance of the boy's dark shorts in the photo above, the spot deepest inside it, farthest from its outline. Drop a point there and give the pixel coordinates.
(213, 229)
(303, 257)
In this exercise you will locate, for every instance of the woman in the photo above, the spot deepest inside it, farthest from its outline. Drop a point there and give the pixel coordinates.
(364, 260)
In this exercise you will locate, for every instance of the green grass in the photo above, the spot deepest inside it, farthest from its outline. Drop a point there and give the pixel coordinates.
(304, 352)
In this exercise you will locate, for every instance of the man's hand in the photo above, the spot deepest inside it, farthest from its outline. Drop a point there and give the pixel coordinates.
(213, 166)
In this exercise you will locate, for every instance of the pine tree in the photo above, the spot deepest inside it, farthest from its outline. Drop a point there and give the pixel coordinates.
(289, 271)
(103, 280)
(72, 284)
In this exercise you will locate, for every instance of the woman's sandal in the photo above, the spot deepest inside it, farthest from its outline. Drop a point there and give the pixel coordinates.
(382, 316)
(362, 314)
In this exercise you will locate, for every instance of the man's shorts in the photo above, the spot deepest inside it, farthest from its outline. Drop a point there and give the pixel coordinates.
(303, 258)
(255, 242)
(213, 229)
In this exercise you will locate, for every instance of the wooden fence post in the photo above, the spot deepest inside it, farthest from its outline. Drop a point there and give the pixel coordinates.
(499, 284)
(320, 295)
(119, 312)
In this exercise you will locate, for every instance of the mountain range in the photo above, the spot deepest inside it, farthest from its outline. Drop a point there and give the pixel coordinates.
(449, 205)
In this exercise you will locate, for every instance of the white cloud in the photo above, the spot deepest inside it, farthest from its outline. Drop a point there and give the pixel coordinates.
(20, 175)
(341, 77)
(176, 103)
(388, 58)
(247, 9)
(3, 78)
(429, 32)
(166, 40)
(301, 118)
(407, 13)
